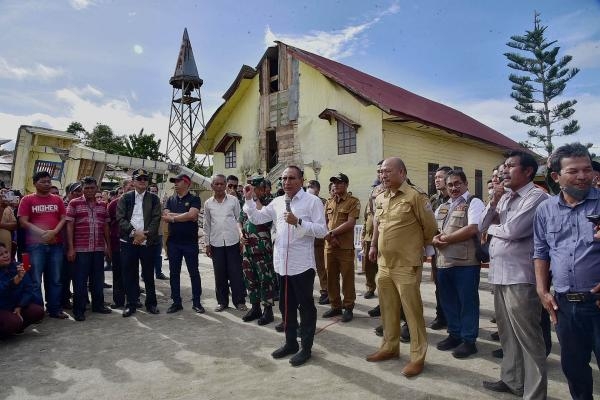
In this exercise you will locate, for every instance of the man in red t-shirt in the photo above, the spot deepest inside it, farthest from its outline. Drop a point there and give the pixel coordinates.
(42, 216)
(87, 242)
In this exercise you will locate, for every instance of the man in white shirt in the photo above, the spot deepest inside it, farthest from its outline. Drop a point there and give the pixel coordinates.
(299, 218)
(222, 244)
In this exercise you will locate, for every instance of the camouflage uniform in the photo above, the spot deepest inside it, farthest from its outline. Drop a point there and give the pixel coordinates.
(257, 262)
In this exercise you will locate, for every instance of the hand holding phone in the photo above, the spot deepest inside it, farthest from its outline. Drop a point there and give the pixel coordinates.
(26, 262)
(594, 219)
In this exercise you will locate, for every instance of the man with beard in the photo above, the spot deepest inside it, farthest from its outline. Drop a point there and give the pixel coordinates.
(567, 243)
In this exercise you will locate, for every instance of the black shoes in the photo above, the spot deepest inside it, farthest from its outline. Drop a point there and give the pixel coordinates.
(128, 312)
(500, 387)
(449, 343)
(324, 298)
(464, 350)
(152, 310)
(369, 294)
(115, 306)
(332, 312)
(300, 358)
(438, 324)
(404, 333)
(375, 312)
(102, 310)
(498, 353)
(379, 330)
(285, 350)
(267, 316)
(79, 317)
(220, 307)
(280, 327)
(198, 308)
(174, 308)
(495, 336)
(252, 314)
(346, 316)
(162, 277)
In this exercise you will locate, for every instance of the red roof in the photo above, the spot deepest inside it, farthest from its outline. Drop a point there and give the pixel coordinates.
(400, 102)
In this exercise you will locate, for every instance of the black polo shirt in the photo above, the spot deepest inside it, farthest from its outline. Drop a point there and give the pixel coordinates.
(183, 232)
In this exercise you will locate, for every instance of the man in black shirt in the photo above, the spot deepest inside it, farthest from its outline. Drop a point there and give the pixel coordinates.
(181, 213)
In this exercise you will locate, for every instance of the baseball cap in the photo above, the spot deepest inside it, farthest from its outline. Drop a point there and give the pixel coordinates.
(339, 177)
(181, 177)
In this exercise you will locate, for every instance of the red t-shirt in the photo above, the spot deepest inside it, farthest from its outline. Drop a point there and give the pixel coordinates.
(45, 212)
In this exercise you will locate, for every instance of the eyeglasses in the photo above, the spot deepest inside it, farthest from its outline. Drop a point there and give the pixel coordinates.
(141, 178)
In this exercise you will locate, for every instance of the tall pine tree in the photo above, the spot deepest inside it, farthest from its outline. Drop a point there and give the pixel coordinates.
(545, 78)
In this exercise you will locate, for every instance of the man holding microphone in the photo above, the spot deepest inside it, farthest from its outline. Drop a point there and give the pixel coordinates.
(299, 218)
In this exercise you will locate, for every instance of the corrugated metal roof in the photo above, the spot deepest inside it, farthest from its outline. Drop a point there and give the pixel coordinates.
(400, 102)
(49, 132)
(185, 68)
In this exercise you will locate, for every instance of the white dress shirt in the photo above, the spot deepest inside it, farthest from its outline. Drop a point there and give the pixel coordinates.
(137, 217)
(221, 221)
(293, 251)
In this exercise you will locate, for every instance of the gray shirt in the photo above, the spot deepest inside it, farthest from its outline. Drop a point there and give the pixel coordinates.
(221, 221)
(510, 225)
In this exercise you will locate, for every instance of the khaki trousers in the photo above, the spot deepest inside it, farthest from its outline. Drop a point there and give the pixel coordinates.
(369, 268)
(340, 262)
(399, 291)
(320, 264)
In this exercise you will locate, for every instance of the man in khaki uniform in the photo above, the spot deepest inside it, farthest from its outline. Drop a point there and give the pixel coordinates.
(370, 267)
(403, 225)
(341, 212)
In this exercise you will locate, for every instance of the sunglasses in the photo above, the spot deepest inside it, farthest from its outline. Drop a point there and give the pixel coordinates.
(141, 178)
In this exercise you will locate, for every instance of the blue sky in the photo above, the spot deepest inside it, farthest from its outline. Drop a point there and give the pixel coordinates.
(103, 61)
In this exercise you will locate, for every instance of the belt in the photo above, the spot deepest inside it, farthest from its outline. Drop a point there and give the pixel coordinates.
(579, 297)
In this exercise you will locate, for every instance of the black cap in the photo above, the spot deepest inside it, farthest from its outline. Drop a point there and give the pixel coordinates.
(73, 187)
(139, 172)
(181, 177)
(340, 177)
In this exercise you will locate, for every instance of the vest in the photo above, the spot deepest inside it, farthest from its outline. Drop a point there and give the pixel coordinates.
(455, 254)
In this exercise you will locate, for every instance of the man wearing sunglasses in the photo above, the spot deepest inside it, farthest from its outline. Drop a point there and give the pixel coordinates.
(138, 214)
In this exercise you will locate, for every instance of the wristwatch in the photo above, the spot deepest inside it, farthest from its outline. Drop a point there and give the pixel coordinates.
(299, 221)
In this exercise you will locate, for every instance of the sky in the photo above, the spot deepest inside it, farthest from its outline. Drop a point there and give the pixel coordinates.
(109, 61)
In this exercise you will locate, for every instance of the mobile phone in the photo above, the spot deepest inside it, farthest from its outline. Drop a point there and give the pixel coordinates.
(26, 262)
(594, 218)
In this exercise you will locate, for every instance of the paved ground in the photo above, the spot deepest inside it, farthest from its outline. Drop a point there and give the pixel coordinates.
(216, 356)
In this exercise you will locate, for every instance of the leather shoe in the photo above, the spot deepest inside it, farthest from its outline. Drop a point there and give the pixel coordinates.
(267, 316)
(369, 294)
(220, 308)
(381, 355)
(79, 317)
(413, 368)
(498, 353)
(252, 314)
(438, 324)
(279, 327)
(300, 358)
(102, 310)
(285, 350)
(500, 387)
(173, 308)
(347, 315)
(128, 312)
(374, 312)
(464, 350)
(379, 330)
(162, 277)
(324, 298)
(152, 309)
(495, 336)
(332, 312)
(449, 343)
(198, 308)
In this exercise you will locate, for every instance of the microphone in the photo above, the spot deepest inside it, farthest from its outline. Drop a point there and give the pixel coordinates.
(288, 202)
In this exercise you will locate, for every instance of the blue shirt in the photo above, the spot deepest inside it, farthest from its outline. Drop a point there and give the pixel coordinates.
(12, 295)
(564, 236)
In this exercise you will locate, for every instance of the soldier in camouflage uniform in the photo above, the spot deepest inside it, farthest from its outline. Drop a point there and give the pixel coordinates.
(257, 263)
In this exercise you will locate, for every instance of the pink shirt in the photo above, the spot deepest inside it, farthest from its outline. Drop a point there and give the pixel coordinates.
(45, 212)
(88, 220)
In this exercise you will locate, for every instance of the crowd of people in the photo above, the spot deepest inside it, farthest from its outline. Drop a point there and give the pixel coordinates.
(542, 249)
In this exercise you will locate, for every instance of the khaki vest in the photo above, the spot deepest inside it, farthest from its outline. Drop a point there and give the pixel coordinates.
(456, 254)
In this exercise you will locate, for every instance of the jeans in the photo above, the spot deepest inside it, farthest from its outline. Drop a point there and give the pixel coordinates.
(47, 260)
(227, 265)
(296, 294)
(176, 253)
(131, 257)
(459, 295)
(578, 331)
(88, 266)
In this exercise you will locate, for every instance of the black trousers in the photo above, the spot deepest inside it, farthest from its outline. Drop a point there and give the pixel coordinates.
(296, 294)
(131, 256)
(227, 265)
(117, 280)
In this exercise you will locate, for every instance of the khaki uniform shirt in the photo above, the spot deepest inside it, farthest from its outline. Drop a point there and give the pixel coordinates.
(405, 224)
(337, 212)
(367, 232)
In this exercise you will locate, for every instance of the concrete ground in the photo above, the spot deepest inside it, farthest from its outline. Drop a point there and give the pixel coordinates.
(216, 355)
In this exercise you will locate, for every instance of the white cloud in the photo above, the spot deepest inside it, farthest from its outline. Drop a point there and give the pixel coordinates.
(585, 54)
(116, 113)
(36, 71)
(336, 44)
(88, 90)
(138, 49)
(81, 4)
